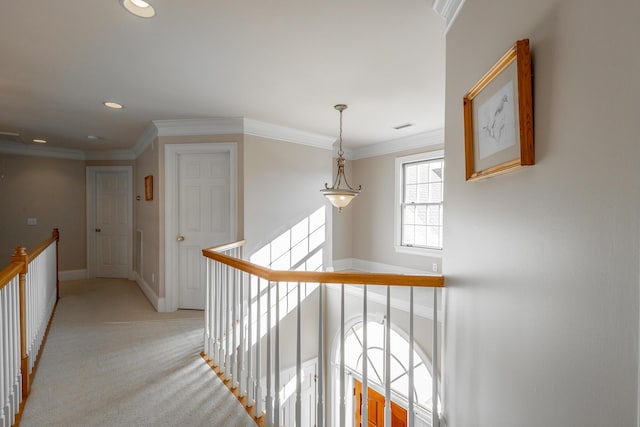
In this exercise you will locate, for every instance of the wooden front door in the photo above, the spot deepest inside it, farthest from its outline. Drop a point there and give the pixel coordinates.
(376, 408)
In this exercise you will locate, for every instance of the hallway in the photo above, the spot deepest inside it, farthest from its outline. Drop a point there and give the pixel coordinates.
(111, 360)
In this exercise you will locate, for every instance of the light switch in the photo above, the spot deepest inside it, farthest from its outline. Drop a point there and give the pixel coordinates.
(32, 221)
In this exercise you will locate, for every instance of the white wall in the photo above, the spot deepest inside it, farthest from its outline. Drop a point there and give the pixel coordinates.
(374, 209)
(282, 183)
(542, 264)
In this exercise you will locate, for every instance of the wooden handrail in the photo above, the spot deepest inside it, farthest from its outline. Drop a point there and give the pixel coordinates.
(9, 272)
(33, 253)
(355, 278)
(227, 246)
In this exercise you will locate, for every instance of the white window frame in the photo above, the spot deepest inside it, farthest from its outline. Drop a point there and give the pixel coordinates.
(397, 215)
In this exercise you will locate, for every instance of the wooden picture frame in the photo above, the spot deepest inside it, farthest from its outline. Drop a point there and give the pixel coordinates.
(498, 117)
(148, 187)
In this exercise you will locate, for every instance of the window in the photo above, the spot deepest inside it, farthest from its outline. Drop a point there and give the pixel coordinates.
(419, 200)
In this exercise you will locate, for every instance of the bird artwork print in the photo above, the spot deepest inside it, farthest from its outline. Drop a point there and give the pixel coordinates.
(496, 125)
(496, 122)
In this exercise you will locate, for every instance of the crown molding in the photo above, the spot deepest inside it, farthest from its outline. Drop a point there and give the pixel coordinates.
(420, 140)
(193, 127)
(448, 9)
(111, 155)
(227, 126)
(41, 151)
(271, 131)
(65, 153)
(148, 136)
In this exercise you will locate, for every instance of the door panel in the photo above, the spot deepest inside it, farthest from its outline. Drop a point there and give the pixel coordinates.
(203, 219)
(398, 415)
(113, 224)
(376, 408)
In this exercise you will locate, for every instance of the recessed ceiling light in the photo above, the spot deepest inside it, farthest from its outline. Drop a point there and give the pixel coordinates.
(93, 137)
(113, 105)
(40, 141)
(139, 8)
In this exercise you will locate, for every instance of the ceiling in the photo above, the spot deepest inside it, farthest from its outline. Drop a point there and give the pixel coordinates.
(282, 62)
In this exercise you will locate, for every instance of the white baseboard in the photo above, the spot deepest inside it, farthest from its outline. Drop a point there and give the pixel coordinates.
(375, 267)
(344, 264)
(72, 275)
(157, 302)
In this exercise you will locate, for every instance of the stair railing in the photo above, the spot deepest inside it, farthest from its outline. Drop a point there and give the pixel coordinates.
(28, 296)
(242, 341)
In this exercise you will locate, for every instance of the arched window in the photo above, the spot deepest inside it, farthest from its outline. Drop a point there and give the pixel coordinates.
(399, 362)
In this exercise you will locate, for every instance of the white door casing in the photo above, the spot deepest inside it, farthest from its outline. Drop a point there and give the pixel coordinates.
(109, 221)
(200, 211)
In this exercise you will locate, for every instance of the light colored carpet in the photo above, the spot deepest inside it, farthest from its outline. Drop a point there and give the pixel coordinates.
(111, 360)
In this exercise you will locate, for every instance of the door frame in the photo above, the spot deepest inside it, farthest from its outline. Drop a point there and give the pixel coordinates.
(171, 226)
(92, 200)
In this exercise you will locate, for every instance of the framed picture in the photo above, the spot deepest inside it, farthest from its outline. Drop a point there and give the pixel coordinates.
(498, 117)
(148, 187)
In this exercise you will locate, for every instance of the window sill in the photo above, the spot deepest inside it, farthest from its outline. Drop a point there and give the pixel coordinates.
(434, 253)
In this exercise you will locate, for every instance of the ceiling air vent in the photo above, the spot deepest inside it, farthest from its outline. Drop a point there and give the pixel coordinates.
(11, 137)
(406, 125)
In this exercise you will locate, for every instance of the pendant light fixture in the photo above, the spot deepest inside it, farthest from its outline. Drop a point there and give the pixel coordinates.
(340, 197)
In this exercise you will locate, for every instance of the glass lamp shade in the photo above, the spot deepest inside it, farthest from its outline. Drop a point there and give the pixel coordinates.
(340, 198)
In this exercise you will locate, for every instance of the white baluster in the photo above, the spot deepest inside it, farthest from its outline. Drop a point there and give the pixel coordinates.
(221, 318)
(227, 325)
(212, 312)
(387, 361)
(207, 308)
(7, 340)
(14, 365)
(299, 361)
(411, 420)
(276, 410)
(14, 334)
(216, 314)
(234, 328)
(320, 398)
(5, 354)
(258, 394)
(269, 397)
(343, 401)
(250, 382)
(225, 321)
(435, 418)
(365, 359)
(241, 351)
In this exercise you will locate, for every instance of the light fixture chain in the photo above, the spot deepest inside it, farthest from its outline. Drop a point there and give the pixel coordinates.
(340, 152)
(338, 196)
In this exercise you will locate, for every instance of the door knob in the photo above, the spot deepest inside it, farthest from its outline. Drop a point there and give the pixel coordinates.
(180, 238)
(98, 230)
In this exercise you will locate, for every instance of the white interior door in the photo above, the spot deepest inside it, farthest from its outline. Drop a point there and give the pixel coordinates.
(204, 218)
(113, 223)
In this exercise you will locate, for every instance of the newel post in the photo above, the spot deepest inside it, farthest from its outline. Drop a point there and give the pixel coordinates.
(20, 255)
(56, 235)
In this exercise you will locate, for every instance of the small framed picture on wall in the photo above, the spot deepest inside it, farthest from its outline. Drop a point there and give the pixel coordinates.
(148, 187)
(498, 117)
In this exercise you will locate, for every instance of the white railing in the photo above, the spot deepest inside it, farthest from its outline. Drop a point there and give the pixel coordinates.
(28, 294)
(41, 297)
(10, 378)
(273, 358)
